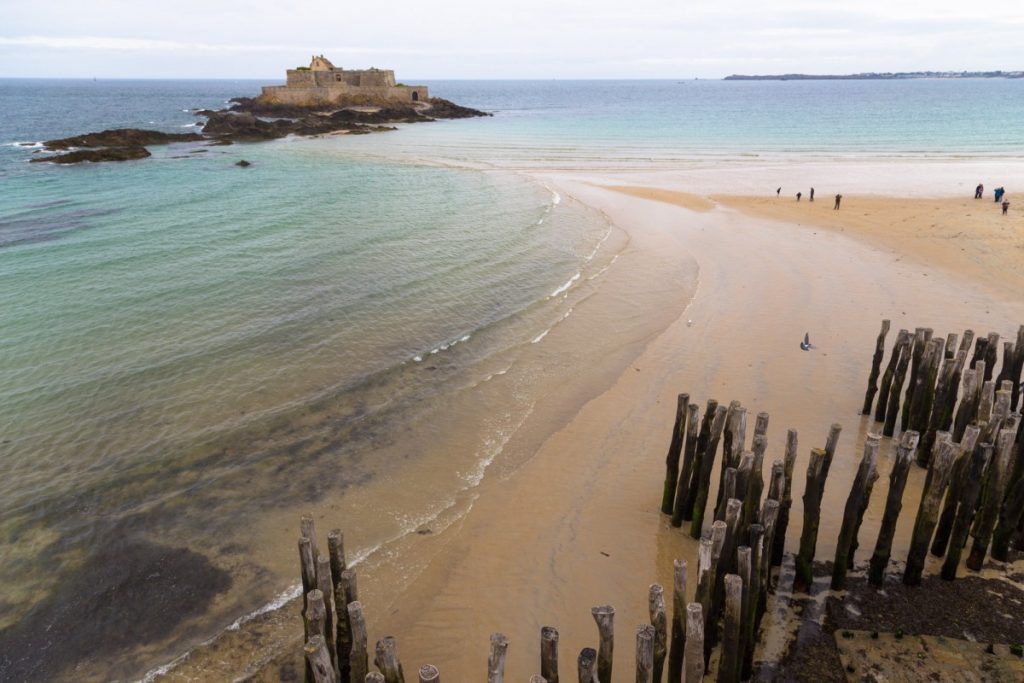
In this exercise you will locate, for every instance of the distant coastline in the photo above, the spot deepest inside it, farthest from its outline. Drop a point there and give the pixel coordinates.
(878, 76)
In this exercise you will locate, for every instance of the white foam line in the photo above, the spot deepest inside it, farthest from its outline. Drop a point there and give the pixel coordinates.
(565, 286)
(536, 340)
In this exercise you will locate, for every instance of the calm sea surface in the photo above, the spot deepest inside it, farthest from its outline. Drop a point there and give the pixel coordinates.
(187, 346)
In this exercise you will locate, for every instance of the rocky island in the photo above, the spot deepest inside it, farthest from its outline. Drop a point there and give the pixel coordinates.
(316, 100)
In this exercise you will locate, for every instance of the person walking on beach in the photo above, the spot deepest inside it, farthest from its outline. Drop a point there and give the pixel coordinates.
(979, 191)
(999, 194)
(798, 195)
(1006, 206)
(778, 192)
(839, 198)
(812, 195)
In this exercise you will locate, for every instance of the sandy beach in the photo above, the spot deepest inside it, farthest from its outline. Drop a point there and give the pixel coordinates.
(566, 517)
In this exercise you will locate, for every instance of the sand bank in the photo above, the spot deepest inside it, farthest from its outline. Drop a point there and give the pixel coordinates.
(574, 522)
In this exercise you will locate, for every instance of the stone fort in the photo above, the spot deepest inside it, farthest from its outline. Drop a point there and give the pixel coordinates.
(323, 83)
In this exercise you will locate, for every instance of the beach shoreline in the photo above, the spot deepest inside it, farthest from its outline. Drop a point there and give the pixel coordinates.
(576, 523)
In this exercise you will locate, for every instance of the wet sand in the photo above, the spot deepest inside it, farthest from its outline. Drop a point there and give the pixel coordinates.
(566, 516)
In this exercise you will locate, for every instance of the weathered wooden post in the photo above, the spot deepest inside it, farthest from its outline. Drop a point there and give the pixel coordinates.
(769, 527)
(728, 491)
(951, 344)
(965, 511)
(991, 351)
(743, 474)
(549, 654)
(992, 499)
(924, 392)
(342, 635)
(358, 657)
(778, 540)
(855, 504)
(1010, 517)
(727, 440)
(693, 656)
(307, 564)
(928, 510)
(953, 493)
(942, 408)
(307, 529)
(755, 484)
(374, 677)
(586, 665)
(679, 508)
(315, 614)
(1018, 367)
(325, 584)
(902, 341)
(729, 662)
(708, 582)
(892, 410)
(702, 442)
(744, 569)
(893, 506)
(604, 617)
(675, 447)
(968, 405)
(986, 401)
(753, 591)
(386, 660)
(496, 660)
(429, 674)
(645, 653)
(876, 364)
(831, 443)
(678, 635)
(707, 462)
(318, 661)
(921, 338)
(812, 512)
(659, 620)
(538, 679)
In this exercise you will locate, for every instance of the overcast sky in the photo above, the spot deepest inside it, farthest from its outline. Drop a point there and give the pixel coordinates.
(431, 39)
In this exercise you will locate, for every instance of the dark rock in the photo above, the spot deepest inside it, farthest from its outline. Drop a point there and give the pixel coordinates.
(444, 109)
(95, 155)
(121, 137)
(243, 163)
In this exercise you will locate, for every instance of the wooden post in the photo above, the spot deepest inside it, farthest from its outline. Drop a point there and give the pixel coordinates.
(732, 440)
(965, 511)
(754, 592)
(893, 506)
(744, 569)
(728, 491)
(318, 661)
(902, 341)
(778, 541)
(755, 484)
(358, 656)
(968, 405)
(743, 474)
(992, 499)
(769, 526)
(326, 586)
(876, 364)
(675, 448)
(679, 508)
(549, 654)
(942, 410)
(892, 410)
(924, 392)
(693, 656)
(986, 401)
(429, 674)
(727, 564)
(645, 653)
(604, 617)
(1010, 517)
(921, 337)
(953, 493)
(586, 665)
(831, 443)
(374, 677)
(812, 512)
(951, 344)
(707, 462)
(342, 636)
(678, 635)
(659, 620)
(729, 662)
(928, 510)
(386, 659)
(1018, 367)
(538, 679)
(307, 528)
(496, 661)
(315, 614)
(991, 350)
(307, 564)
(702, 442)
(856, 502)
(707, 582)
(1006, 369)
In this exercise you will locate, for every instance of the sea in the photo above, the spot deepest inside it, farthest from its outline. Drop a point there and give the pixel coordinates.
(193, 353)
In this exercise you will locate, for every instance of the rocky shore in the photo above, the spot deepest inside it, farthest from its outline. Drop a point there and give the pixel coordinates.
(250, 120)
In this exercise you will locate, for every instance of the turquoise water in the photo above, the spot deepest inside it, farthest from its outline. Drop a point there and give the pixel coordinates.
(187, 344)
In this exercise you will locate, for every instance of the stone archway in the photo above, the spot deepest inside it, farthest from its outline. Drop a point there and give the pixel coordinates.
(415, 96)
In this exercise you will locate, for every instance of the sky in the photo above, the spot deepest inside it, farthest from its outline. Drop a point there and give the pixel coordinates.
(437, 39)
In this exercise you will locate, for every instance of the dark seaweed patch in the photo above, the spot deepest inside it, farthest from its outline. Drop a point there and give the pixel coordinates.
(23, 228)
(128, 593)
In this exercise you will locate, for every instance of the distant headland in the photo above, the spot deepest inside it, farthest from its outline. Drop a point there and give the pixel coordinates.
(318, 99)
(878, 76)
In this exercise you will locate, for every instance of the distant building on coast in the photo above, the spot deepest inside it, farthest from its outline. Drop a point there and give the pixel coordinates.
(323, 83)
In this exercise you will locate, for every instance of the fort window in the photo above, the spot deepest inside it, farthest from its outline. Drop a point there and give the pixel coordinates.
(337, 77)
(415, 96)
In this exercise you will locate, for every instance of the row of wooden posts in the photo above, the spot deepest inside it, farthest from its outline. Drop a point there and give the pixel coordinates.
(972, 447)
(336, 637)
